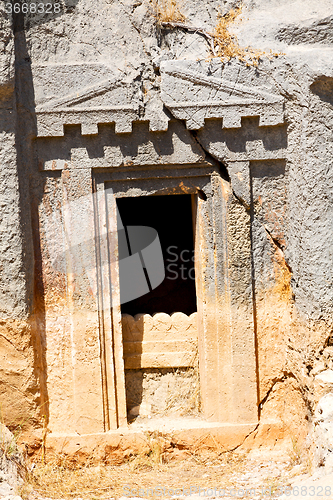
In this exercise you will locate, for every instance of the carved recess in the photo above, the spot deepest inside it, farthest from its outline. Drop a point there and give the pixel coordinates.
(160, 341)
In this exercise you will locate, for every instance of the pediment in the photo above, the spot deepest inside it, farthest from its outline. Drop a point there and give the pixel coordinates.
(93, 93)
(196, 90)
(70, 94)
(69, 86)
(87, 95)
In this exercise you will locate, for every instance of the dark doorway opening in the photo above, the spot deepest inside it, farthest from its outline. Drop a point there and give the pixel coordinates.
(171, 217)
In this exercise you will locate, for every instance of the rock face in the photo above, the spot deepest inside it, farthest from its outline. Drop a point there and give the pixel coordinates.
(18, 362)
(10, 460)
(323, 428)
(127, 99)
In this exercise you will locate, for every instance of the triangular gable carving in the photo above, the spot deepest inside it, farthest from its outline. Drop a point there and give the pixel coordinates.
(86, 95)
(89, 94)
(69, 84)
(81, 94)
(194, 91)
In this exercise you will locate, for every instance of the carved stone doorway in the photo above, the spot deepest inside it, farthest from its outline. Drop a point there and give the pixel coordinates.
(160, 334)
(93, 351)
(225, 325)
(86, 145)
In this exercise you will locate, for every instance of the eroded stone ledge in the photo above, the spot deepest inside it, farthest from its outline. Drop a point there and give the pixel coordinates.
(160, 341)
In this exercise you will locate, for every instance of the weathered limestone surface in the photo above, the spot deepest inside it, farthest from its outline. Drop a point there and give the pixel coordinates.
(19, 391)
(163, 392)
(322, 433)
(11, 464)
(106, 96)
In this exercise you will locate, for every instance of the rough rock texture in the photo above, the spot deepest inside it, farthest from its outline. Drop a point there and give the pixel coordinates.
(163, 392)
(11, 462)
(18, 385)
(323, 433)
(158, 102)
